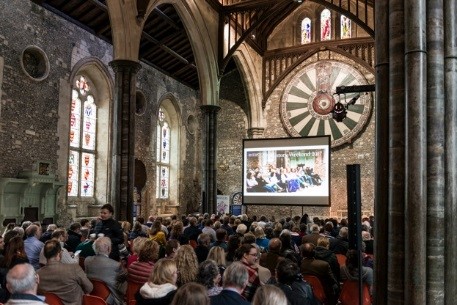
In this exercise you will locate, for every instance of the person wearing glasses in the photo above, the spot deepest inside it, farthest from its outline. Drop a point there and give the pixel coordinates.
(248, 256)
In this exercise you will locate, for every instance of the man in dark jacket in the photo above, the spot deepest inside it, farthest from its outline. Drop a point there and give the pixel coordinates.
(74, 237)
(297, 291)
(235, 280)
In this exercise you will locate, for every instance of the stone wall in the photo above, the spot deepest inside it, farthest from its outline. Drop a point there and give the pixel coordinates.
(32, 128)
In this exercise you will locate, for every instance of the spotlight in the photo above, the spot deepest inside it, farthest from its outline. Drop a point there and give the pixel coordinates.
(339, 112)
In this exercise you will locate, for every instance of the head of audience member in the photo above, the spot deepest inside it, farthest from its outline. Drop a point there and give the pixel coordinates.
(344, 232)
(126, 226)
(60, 235)
(328, 227)
(248, 254)
(217, 254)
(241, 229)
(248, 238)
(140, 220)
(26, 224)
(138, 244)
(156, 227)
(22, 279)
(20, 231)
(51, 227)
(287, 272)
(187, 264)
(14, 249)
(171, 247)
(149, 252)
(366, 235)
(9, 235)
(269, 295)
(85, 223)
(274, 245)
(52, 250)
(236, 223)
(191, 294)
(165, 271)
(177, 229)
(75, 227)
(286, 239)
(204, 240)
(307, 250)
(259, 233)
(208, 274)
(323, 242)
(221, 234)
(102, 246)
(137, 227)
(33, 231)
(236, 277)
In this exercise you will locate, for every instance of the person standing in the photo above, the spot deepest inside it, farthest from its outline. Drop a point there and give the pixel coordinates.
(111, 228)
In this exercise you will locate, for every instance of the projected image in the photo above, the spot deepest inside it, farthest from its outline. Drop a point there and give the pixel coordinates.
(287, 171)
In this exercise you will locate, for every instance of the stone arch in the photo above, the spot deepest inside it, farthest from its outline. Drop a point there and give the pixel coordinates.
(99, 75)
(203, 45)
(245, 60)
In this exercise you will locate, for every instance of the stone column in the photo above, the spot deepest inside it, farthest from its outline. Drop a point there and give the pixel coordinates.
(435, 153)
(255, 132)
(450, 146)
(123, 148)
(419, 266)
(209, 195)
(382, 145)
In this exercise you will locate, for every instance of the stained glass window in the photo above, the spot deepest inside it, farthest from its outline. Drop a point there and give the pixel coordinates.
(163, 155)
(306, 30)
(82, 138)
(326, 25)
(345, 27)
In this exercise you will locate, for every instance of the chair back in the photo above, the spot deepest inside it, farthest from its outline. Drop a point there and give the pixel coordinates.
(341, 259)
(93, 300)
(132, 289)
(100, 289)
(318, 289)
(81, 262)
(350, 293)
(52, 299)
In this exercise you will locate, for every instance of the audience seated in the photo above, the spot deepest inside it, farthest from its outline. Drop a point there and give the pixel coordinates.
(312, 266)
(289, 280)
(351, 270)
(202, 248)
(86, 246)
(33, 245)
(340, 244)
(74, 237)
(271, 258)
(248, 255)
(60, 235)
(322, 252)
(103, 268)
(234, 282)
(161, 286)
(191, 294)
(269, 295)
(187, 264)
(67, 281)
(210, 277)
(22, 281)
(139, 271)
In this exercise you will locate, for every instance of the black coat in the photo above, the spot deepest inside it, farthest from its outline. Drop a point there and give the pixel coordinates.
(111, 228)
(228, 297)
(299, 293)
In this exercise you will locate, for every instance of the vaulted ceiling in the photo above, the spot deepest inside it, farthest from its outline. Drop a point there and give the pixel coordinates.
(164, 42)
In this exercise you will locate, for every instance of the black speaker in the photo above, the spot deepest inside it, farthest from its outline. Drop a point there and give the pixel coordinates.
(354, 206)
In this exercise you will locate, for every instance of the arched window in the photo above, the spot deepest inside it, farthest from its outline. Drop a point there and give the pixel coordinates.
(163, 155)
(345, 27)
(82, 139)
(326, 25)
(306, 30)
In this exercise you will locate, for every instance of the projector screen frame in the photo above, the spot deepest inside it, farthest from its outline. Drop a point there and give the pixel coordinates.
(293, 146)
